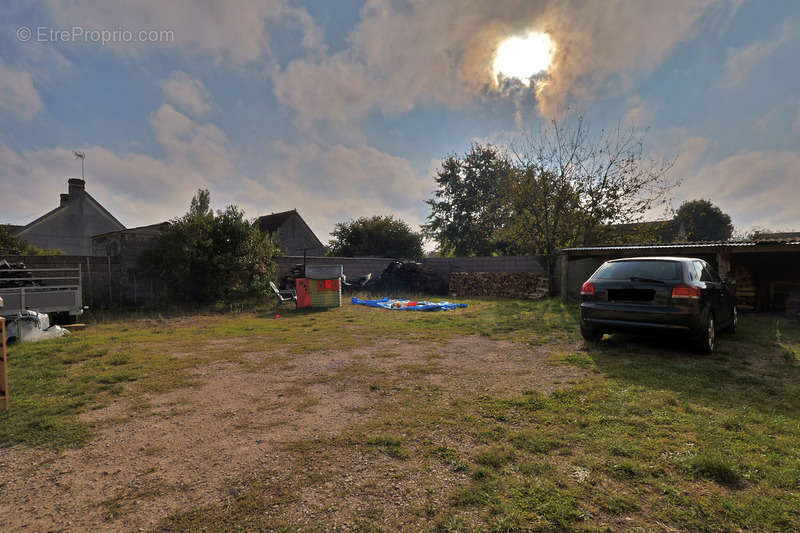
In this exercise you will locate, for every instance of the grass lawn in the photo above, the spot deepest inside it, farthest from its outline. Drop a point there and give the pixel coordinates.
(639, 435)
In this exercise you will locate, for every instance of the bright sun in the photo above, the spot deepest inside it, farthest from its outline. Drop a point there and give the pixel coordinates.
(523, 57)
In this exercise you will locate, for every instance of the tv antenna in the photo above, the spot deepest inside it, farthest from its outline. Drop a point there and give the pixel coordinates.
(81, 156)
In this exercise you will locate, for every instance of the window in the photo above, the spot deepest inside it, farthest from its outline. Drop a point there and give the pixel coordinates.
(697, 268)
(651, 269)
(703, 271)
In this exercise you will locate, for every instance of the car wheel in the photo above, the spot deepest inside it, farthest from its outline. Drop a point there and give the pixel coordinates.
(706, 339)
(734, 321)
(591, 334)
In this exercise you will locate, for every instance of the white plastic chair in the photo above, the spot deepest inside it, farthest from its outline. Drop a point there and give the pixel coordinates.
(284, 295)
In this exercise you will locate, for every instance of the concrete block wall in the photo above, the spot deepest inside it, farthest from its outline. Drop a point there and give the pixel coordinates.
(353, 267)
(114, 281)
(522, 263)
(359, 266)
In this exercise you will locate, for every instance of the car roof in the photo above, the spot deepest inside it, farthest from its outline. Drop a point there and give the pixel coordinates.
(655, 258)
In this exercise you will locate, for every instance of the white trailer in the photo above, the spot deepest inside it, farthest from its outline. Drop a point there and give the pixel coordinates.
(44, 290)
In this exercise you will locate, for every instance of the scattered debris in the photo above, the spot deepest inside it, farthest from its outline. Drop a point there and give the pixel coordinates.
(12, 275)
(30, 326)
(400, 276)
(407, 305)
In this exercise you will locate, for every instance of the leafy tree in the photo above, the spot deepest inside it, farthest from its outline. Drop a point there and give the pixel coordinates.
(377, 236)
(601, 180)
(544, 213)
(204, 256)
(561, 187)
(10, 244)
(469, 205)
(704, 221)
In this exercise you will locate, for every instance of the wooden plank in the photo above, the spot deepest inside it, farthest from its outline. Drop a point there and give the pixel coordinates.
(3, 367)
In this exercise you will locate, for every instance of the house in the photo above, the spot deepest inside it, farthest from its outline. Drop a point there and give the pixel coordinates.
(70, 226)
(127, 246)
(292, 233)
(129, 242)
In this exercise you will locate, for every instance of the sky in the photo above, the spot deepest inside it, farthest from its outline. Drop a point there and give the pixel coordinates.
(346, 108)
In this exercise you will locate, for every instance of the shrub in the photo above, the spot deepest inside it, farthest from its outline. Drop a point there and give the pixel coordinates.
(206, 256)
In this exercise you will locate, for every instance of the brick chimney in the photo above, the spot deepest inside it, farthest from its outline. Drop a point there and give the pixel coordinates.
(75, 186)
(64, 198)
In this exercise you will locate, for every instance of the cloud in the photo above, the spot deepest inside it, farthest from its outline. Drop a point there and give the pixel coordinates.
(187, 93)
(757, 188)
(18, 96)
(327, 184)
(235, 33)
(796, 124)
(742, 61)
(138, 189)
(202, 147)
(405, 54)
(689, 156)
(336, 88)
(639, 113)
(604, 47)
(765, 123)
(336, 184)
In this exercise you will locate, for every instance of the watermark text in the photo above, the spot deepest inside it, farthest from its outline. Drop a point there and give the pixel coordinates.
(79, 34)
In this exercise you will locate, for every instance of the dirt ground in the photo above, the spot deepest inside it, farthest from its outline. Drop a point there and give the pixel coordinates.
(188, 448)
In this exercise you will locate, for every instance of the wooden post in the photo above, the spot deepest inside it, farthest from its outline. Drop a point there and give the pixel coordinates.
(3, 367)
(563, 265)
(723, 264)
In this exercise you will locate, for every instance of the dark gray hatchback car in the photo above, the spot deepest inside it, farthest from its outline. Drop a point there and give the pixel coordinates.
(678, 294)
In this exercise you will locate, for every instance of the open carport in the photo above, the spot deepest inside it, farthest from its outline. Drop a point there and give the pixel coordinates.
(767, 273)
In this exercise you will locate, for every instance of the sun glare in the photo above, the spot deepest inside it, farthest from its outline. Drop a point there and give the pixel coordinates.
(523, 57)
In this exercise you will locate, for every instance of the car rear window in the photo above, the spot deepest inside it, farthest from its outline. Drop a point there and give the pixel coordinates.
(660, 270)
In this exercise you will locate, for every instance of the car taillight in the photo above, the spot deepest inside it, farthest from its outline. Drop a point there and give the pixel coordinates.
(587, 289)
(685, 291)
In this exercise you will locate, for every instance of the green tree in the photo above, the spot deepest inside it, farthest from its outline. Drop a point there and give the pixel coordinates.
(469, 204)
(10, 244)
(377, 236)
(704, 221)
(544, 213)
(594, 181)
(561, 187)
(204, 256)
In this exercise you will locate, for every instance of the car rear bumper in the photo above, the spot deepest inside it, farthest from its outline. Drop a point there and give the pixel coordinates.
(624, 317)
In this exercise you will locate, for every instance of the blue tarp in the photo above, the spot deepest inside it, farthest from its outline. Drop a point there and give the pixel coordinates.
(407, 305)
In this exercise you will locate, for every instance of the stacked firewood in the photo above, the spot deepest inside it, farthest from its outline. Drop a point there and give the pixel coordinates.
(512, 285)
(744, 289)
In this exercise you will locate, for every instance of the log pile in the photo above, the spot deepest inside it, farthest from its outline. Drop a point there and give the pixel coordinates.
(745, 288)
(511, 285)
